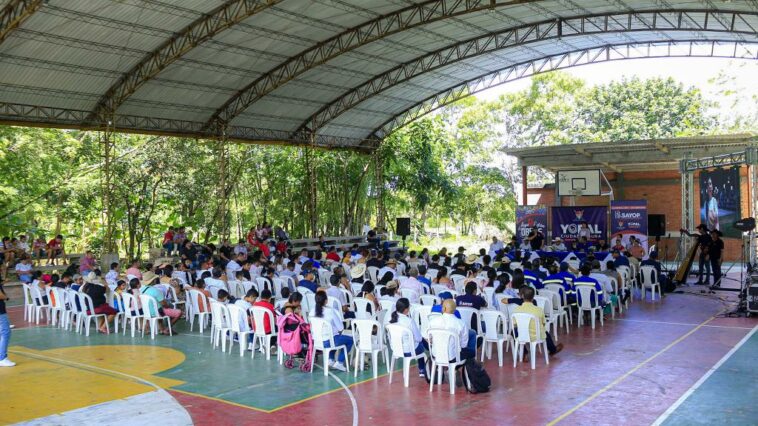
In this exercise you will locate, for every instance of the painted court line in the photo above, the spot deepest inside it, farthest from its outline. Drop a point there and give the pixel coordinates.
(683, 323)
(349, 394)
(629, 373)
(702, 380)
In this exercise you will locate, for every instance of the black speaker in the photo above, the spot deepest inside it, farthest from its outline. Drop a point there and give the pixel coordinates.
(403, 226)
(656, 225)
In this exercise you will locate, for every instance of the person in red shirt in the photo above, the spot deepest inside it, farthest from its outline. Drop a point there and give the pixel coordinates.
(332, 254)
(265, 302)
(263, 247)
(55, 249)
(168, 241)
(281, 246)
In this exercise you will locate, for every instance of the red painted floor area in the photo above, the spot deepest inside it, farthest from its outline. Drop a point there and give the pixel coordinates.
(627, 372)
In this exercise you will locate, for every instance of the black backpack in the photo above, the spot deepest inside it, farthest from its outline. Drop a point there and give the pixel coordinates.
(475, 378)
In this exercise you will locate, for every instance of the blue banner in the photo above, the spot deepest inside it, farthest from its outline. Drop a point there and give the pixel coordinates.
(528, 217)
(568, 223)
(629, 218)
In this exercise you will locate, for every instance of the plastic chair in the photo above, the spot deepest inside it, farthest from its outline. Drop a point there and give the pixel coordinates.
(57, 301)
(304, 290)
(118, 300)
(546, 304)
(372, 271)
(40, 307)
(321, 331)
(587, 295)
(263, 283)
(409, 294)
(219, 324)
(497, 333)
(278, 286)
(401, 343)
(458, 283)
(561, 292)
(387, 305)
(29, 306)
(151, 315)
(73, 309)
(441, 344)
(238, 328)
(260, 316)
(130, 312)
(348, 296)
(559, 314)
(429, 299)
(466, 317)
(356, 288)
(523, 321)
(368, 343)
(361, 307)
(87, 314)
(197, 298)
(649, 281)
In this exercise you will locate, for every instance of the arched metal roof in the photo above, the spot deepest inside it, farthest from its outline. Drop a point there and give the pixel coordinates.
(347, 72)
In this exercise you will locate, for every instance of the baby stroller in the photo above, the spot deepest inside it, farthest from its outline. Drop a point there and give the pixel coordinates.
(295, 340)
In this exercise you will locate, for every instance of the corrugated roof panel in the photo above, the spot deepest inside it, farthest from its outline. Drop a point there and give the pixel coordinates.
(232, 58)
(165, 110)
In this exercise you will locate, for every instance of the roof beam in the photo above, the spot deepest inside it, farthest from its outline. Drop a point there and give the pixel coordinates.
(14, 14)
(202, 29)
(591, 157)
(591, 55)
(512, 37)
(415, 15)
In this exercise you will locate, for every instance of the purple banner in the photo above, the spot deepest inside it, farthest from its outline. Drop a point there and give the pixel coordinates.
(568, 221)
(629, 218)
(528, 217)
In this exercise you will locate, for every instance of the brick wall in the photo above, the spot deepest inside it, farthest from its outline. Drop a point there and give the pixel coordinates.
(662, 190)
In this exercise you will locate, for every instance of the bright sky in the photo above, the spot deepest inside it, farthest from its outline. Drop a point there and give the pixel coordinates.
(690, 71)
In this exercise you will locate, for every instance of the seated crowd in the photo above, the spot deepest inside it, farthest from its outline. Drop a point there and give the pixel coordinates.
(500, 278)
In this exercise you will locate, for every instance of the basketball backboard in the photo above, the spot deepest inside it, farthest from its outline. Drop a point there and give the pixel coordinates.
(578, 182)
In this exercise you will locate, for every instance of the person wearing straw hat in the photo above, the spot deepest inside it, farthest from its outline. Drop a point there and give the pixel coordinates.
(98, 291)
(149, 288)
(389, 267)
(357, 272)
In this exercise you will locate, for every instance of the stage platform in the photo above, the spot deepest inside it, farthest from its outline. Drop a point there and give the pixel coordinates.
(675, 361)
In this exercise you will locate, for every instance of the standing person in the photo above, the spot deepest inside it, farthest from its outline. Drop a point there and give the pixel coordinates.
(584, 231)
(714, 252)
(703, 263)
(168, 241)
(5, 331)
(536, 239)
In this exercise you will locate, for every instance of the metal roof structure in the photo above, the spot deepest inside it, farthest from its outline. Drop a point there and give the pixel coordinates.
(643, 155)
(330, 73)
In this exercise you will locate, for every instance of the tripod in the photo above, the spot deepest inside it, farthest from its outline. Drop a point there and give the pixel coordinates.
(744, 266)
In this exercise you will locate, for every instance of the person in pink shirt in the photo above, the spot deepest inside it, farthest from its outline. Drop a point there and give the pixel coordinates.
(87, 263)
(134, 269)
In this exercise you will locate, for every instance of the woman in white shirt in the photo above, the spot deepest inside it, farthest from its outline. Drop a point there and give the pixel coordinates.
(401, 316)
(330, 315)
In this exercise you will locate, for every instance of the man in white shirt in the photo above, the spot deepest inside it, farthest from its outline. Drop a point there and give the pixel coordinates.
(495, 247)
(558, 245)
(24, 270)
(412, 283)
(240, 248)
(448, 321)
(217, 282)
(112, 275)
(22, 244)
(235, 265)
(389, 267)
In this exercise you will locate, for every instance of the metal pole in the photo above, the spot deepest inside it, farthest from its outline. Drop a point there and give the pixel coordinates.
(379, 184)
(311, 176)
(106, 180)
(524, 175)
(222, 157)
(688, 217)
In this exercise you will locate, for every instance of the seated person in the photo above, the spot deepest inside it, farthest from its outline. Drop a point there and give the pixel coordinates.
(529, 307)
(449, 321)
(55, 249)
(583, 245)
(293, 304)
(653, 261)
(401, 316)
(337, 282)
(97, 291)
(308, 282)
(324, 311)
(265, 301)
(163, 308)
(225, 298)
(367, 292)
(24, 270)
(586, 280)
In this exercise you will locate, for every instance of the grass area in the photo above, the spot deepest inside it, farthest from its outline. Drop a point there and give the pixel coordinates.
(472, 243)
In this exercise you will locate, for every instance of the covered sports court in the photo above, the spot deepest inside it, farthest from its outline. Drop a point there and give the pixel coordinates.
(343, 74)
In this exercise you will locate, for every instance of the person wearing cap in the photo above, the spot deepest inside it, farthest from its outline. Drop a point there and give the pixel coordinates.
(389, 291)
(704, 241)
(715, 250)
(97, 291)
(388, 268)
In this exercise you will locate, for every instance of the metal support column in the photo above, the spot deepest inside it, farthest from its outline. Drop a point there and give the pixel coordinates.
(688, 207)
(106, 143)
(311, 176)
(222, 159)
(379, 185)
(524, 176)
(751, 158)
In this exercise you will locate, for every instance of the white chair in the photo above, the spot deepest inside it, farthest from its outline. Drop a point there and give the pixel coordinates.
(356, 288)
(372, 271)
(279, 284)
(247, 285)
(561, 292)
(238, 327)
(441, 344)
(118, 304)
(495, 332)
(304, 290)
(439, 288)
(649, 281)
(588, 301)
(57, 300)
(630, 282)
(324, 277)
(263, 283)
(429, 299)
(73, 310)
(409, 294)
(322, 331)
(522, 321)
(458, 283)
(348, 296)
(236, 289)
(387, 305)
(401, 343)
(219, 324)
(558, 314)
(29, 306)
(87, 313)
(368, 343)
(131, 314)
(469, 316)
(260, 317)
(151, 316)
(546, 304)
(197, 298)
(363, 308)
(40, 307)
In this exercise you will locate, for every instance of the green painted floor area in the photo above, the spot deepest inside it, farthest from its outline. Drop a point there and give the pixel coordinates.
(256, 383)
(728, 397)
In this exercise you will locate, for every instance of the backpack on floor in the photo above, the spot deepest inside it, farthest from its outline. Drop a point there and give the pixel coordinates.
(475, 378)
